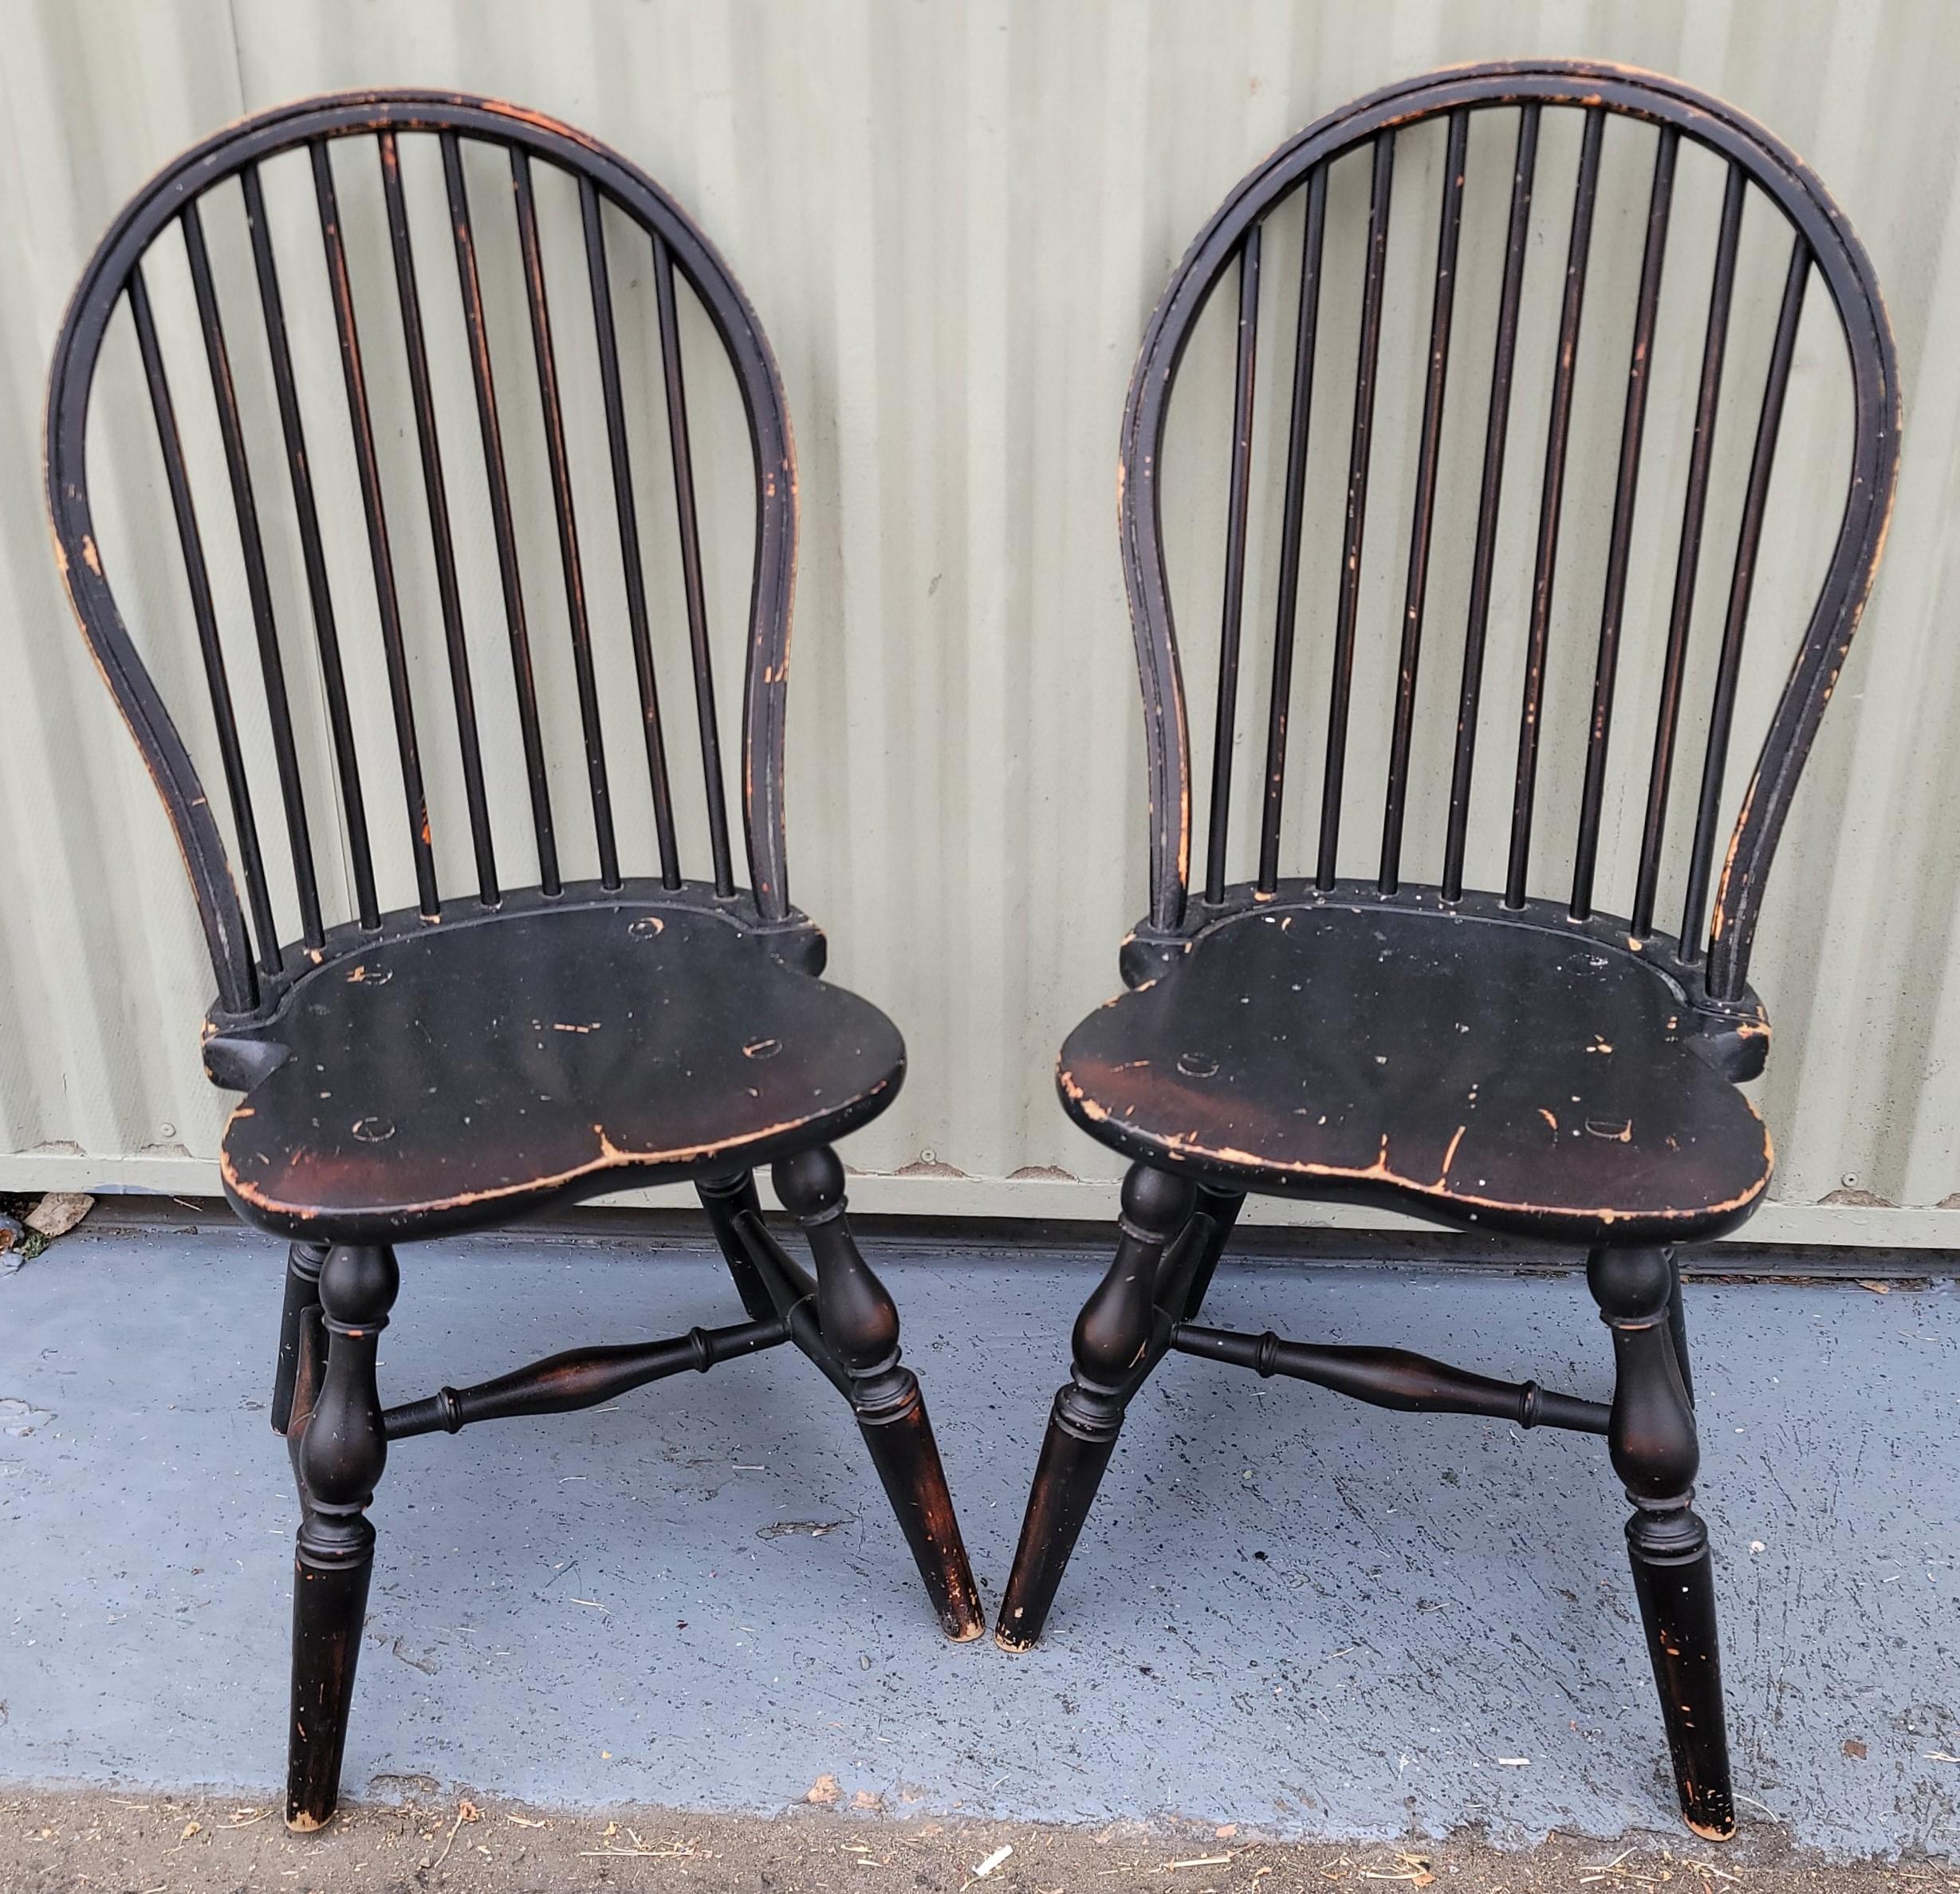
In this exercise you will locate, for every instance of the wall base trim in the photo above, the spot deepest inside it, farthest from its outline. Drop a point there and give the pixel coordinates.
(941, 1193)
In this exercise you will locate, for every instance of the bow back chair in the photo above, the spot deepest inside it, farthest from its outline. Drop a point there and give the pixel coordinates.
(1516, 1059)
(535, 1023)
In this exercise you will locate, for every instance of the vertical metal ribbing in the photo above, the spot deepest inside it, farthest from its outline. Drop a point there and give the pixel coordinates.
(1306, 325)
(204, 615)
(1748, 546)
(422, 398)
(1660, 199)
(1348, 606)
(326, 633)
(1237, 506)
(558, 460)
(368, 466)
(502, 524)
(1483, 559)
(681, 447)
(1442, 308)
(1687, 561)
(608, 339)
(1551, 501)
(258, 589)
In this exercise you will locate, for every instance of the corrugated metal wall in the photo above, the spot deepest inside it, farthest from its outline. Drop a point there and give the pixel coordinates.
(952, 220)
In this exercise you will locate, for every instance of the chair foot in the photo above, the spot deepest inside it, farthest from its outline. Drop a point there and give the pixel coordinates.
(1673, 1579)
(1082, 1430)
(1112, 1341)
(859, 1323)
(340, 1450)
(1656, 1454)
(899, 1436)
(329, 1608)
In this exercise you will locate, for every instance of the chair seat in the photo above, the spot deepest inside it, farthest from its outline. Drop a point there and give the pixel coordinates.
(462, 1074)
(1472, 1072)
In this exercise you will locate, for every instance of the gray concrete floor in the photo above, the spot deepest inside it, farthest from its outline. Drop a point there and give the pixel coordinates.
(1307, 1617)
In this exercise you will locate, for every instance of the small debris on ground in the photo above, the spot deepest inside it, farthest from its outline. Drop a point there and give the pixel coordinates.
(993, 1860)
(58, 1212)
(466, 1811)
(28, 1224)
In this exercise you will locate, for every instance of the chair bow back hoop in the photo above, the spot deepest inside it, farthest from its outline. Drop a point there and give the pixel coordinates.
(334, 134)
(1760, 176)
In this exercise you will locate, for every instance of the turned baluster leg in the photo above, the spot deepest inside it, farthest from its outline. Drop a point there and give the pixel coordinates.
(1677, 1326)
(1111, 1336)
(1220, 1210)
(859, 1326)
(726, 1198)
(1655, 1454)
(341, 1451)
(302, 1294)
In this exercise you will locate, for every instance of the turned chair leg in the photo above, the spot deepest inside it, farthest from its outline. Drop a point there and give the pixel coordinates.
(859, 1323)
(1215, 1215)
(1677, 1326)
(1112, 1341)
(302, 1297)
(1656, 1454)
(340, 1448)
(724, 1198)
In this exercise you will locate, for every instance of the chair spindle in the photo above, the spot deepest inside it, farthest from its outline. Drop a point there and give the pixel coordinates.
(380, 555)
(1306, 325)
(326, 631)
(257, 586)
(558, 456)
(1483, 559)
(1382, 180)
(502, 522)
(1620, 540)
(1238, 507)
(607, 336)
(1550, 504)
(204, 613)
(682, 449)
(421, 397)
(1748, 543)
(1441, 310)
(1687, 560)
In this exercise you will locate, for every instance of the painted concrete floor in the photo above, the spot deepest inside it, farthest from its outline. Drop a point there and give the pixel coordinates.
(1310, 1618)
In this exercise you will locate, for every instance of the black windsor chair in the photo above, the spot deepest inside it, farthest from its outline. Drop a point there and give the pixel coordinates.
(537, 1035)
(1504, 1060)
